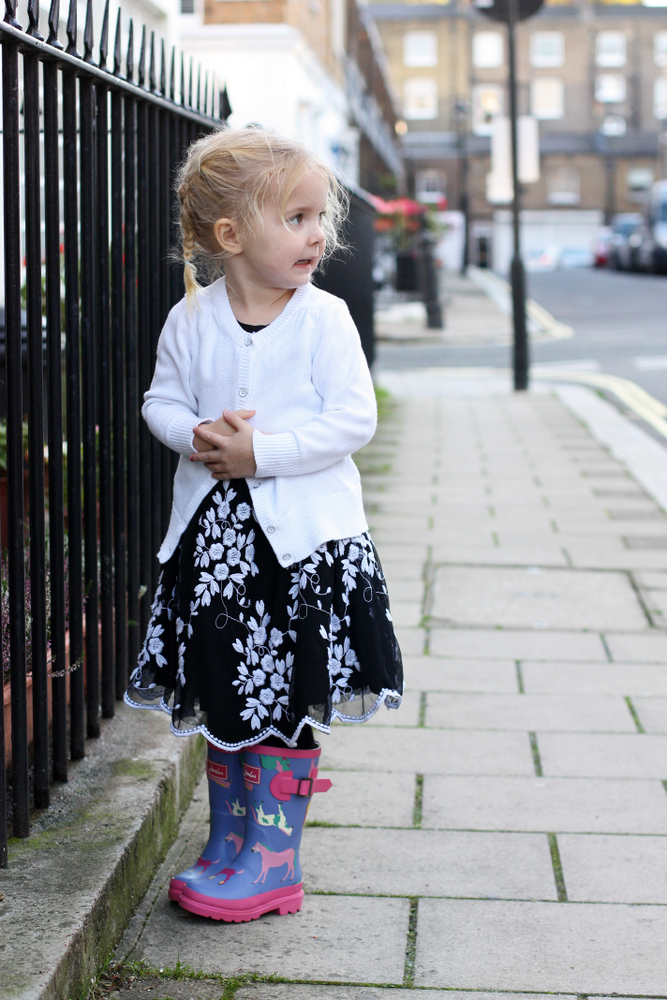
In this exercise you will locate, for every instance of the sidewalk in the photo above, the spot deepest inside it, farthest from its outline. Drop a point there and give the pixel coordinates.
(505, 832)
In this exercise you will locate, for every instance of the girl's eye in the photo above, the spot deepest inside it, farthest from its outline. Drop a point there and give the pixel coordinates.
(296, 219)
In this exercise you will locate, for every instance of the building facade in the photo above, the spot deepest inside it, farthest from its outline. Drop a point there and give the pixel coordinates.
(312, 69)
(594, 75)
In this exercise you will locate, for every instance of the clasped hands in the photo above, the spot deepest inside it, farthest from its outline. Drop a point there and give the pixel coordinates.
(225, 445)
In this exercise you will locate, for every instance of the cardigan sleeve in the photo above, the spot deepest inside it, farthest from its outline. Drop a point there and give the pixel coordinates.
(349, 413)
(170, 406)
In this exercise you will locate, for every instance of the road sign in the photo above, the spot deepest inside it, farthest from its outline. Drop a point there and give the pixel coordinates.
(499, 10)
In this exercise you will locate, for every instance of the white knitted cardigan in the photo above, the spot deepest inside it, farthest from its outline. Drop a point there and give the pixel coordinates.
(307, 377)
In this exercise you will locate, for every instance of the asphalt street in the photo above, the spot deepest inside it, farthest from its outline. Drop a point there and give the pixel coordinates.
(619, 319)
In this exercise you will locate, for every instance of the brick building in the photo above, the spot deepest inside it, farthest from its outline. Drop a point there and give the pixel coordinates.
(593, 74)
(313, 69)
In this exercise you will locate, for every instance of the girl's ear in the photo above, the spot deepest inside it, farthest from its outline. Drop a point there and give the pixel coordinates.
(227, 236)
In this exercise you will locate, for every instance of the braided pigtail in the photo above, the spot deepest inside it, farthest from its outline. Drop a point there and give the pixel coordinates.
(190, 270)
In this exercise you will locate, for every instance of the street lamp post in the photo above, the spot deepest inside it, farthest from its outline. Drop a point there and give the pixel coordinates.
(517, 273)
(511, 12)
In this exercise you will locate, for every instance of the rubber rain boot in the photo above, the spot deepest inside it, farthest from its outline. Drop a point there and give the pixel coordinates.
(226, 794)
(266, 874)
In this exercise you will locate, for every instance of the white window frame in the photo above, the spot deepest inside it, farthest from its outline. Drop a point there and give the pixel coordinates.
(604, 87)
(547, 98)
(482, 124)
(488, 50)
(568, 193)
(416, 108)
(660, 98)
(420, 48)
(609, 55)
(660, 48)
(547, 59)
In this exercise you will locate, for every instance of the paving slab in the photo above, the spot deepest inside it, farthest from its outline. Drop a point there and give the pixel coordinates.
(427, 751)
(594, 678)
(296, 991)
(359, 798)
(502, 644)
(406, 715)
(612, 869)
(576, 805)
(568, 948)
(638, 648)
(462, 553)
(614, 755)
(429, 863)
(411, 640)
(520, 598)
(586, 713)
(437, 673)
(652, 713)
(340, 938)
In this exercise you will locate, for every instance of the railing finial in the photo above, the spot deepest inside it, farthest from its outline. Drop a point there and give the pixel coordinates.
(199, 87)
(172, 74)
(33, 19)
(71, 30)
(129, 62)
(104, 37)
(116, 48)
(163, 71)
(10, 14)
(54, 22)
(151, 64)
(141, 74)
(88, 38)
(182, 80)
(225, 106)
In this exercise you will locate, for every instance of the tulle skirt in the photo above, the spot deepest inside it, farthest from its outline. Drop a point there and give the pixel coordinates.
(240, 648)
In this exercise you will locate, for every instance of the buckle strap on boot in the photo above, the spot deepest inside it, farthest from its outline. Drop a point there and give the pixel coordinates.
(285, 784)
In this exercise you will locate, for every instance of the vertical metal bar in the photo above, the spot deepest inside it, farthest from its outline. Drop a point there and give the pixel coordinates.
(14, 384)
(118, 401)
(165, 206)
(33, 252)
(55, 419)
(131, 385)
(144, 361)
(154, 495)
(89, 408)
(106, 507)
(73, 408)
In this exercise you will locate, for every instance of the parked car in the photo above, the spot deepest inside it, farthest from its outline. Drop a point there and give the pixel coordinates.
(652, 234)
(601, 247)
(624, 227)
(576, 257)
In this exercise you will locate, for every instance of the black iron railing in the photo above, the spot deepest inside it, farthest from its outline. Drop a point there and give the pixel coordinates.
(88, 222)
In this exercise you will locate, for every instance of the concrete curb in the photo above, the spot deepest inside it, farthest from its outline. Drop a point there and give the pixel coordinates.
(74, 884)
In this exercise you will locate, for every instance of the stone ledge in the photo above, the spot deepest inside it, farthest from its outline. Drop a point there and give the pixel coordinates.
(73, 885)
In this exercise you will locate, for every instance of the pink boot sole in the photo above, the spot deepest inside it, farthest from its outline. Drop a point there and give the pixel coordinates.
(176, 887)
(239, 910)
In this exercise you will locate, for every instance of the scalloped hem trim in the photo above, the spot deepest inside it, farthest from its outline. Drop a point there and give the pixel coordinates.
(322, 727)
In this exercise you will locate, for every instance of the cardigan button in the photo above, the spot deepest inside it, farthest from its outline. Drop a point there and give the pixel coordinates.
(271, 528)
(243, 392)
(287, 557)
(248, 342)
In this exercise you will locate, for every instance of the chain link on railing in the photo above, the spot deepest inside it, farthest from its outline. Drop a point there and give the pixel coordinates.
(88, 162)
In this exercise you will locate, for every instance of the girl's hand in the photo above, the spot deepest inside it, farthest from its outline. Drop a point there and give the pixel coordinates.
(230, 456)
(219, 426)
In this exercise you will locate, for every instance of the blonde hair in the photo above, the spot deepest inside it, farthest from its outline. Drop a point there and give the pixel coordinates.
(233, 173)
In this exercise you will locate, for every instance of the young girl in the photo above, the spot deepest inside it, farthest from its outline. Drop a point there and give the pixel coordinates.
(271, 614)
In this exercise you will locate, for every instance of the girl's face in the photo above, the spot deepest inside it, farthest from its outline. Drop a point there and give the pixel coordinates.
(284, 251)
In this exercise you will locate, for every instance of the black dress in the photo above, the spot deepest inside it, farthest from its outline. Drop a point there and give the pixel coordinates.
(240, 648)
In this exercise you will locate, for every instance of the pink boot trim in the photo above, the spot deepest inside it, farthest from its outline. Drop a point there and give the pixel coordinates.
(287, 900)
(176, 887)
